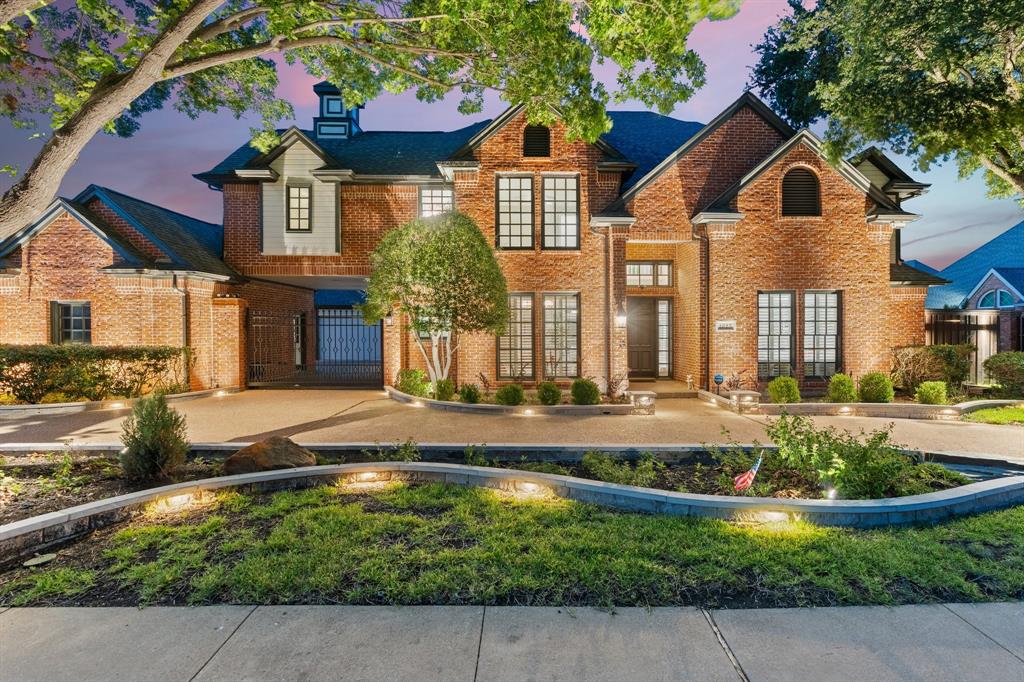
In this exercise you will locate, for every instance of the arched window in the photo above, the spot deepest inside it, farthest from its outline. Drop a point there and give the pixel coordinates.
(537, 141)
(1005, 298)
(988, 300)
(800, 194)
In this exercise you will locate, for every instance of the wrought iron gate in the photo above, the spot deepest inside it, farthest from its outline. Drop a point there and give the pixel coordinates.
(335, 349)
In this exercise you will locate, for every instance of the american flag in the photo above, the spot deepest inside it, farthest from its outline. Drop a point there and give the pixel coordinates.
(746, 479)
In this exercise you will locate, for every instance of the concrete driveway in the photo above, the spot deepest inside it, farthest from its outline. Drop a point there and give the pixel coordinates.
(323, 416)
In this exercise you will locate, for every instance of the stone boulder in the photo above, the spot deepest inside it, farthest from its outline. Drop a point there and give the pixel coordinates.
(276, 452)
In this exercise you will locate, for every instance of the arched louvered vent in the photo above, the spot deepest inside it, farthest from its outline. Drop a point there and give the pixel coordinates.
(536, 141)
(800, 194)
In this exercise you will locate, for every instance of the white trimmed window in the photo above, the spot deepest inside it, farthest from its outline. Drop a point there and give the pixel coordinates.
(436, 200)
(774, 334)
(561, 225)
(561, 335)
(514, 212)
(515, 346)
(821, 333)
(300, 209)
(648, 273)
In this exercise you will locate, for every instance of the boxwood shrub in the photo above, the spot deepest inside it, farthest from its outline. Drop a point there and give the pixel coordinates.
(783, 390)
(412, 382)
(510, 394)
(585, 392)
(841, 389)
(548, 393)
(931, 393)
(1007, 370)
(469, 393)
(875, 387)
(445, 389)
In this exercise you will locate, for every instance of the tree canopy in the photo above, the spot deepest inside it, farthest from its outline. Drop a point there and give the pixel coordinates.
(441, 274)
(935, 79)
(91, 65)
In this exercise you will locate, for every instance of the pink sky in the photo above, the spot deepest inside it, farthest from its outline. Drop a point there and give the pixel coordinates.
(157, 164)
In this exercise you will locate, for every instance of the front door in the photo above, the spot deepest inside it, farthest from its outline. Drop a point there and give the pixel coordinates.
(641, 336)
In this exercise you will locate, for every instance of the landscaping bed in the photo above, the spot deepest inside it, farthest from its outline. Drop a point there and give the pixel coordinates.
(997, 415)
(440, 544)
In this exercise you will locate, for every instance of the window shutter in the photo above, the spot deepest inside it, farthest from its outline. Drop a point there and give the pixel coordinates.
(800, 195)
(54, 322)
(537, 141)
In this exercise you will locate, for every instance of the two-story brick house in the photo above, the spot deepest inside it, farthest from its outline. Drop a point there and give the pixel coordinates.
(666, 249)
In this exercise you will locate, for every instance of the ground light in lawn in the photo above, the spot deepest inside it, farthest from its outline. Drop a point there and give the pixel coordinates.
(181, 503)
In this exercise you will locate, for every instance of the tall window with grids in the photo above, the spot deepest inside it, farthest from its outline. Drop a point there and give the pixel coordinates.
(514, 212)
(71, 322)
(561, 212)
(515, 346)
(774, 334)
(300, 211)
(561, 335)
(664, 310)
(821, 333)
(436, 200)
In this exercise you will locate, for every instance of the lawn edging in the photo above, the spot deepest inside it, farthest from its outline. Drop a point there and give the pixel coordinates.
(20, 538)
(520, 410)
(20, 411)
(741, 402)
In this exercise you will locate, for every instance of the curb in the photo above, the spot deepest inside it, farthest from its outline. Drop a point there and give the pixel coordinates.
(521, 410)
(20, 411)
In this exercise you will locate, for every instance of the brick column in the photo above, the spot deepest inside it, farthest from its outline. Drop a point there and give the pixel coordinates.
(229, 352)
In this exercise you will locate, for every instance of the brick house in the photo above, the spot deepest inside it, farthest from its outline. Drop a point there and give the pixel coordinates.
(666, 249)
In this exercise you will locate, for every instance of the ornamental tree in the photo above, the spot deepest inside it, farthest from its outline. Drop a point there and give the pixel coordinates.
(441, 275)
(932, 78)
(92, 65)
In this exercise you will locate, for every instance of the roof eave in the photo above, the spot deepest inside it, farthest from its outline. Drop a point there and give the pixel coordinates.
(265, 174)
(717, 218)
(612, 221)
(157, 273)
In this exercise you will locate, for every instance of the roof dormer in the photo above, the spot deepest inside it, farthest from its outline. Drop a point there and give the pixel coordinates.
(335, 120)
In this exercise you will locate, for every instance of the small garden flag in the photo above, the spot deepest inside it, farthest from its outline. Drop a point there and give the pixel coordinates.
(745, 480)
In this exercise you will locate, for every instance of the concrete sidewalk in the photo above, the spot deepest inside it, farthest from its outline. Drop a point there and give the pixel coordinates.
(934, 642)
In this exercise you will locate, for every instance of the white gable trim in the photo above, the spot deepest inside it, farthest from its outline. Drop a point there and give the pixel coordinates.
(993, 272)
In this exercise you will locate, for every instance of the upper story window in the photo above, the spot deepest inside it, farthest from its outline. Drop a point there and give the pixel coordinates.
(514, 212)
(71, 322)
(1005, 298)
(300, 208)
(436, 200)
(993, 298)
(648, 273)
(801, 195)
(537, 141)
(561, 216)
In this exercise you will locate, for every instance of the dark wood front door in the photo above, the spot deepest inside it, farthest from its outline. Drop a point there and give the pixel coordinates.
(641, 336)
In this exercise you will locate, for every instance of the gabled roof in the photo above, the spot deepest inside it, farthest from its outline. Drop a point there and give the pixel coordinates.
(1004, 251)
(897, 176)
(189, 243)
(1014, 277)
(647, 138)
(923, 267)
(902, 274)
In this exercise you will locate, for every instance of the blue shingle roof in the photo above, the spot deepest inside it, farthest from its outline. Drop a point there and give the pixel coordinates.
(1013, 276)
(923, 267)
(1005, 251)
(647, 138)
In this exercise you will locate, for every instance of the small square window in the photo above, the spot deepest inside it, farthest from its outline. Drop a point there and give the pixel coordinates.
(72, 322)
(436, 200)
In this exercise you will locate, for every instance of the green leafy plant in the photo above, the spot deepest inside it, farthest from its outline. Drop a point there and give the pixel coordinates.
(610, 468)
(444, 389)
(63, 477)
(548, 393)
(469, 393)
(585, 392)
(8, 399)
(475, 455)
(155, 439)
(412, 382)
(783, 390)
(1007, 370)
(408, 451)
(931, 393)
(541, 467)
(943, 362)
(875, 387)
(510, 394)
(841, 389)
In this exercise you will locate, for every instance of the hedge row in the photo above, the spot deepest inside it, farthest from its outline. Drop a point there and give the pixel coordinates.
(81, 372)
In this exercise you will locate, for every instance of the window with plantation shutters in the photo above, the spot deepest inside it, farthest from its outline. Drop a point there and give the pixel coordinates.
(800, 193)
(537, 141)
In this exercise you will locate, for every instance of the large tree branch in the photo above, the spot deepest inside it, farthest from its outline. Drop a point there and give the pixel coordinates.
(12, 9)
(1014, 179)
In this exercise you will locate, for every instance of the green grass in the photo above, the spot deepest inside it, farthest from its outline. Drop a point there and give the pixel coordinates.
(436, 544)
(997, 415)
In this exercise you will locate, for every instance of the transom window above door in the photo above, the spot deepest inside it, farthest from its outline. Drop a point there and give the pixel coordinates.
(648, 273)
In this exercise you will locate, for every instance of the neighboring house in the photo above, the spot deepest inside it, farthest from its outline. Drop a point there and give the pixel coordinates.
(983, 303)
(666, 249)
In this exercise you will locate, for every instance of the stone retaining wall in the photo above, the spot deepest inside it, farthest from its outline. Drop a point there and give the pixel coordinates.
(53, 409)
(522, 410)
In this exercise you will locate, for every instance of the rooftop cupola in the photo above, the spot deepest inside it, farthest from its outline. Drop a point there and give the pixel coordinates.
(334, 121)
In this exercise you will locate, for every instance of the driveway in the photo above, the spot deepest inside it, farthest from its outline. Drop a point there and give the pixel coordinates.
(330, 416)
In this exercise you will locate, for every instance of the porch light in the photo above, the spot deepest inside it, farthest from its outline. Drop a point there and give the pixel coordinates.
(620, 316)
(389, 320)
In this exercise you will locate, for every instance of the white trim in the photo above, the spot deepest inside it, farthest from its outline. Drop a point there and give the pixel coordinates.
(716, 218)
(601, 221)
(990, 273)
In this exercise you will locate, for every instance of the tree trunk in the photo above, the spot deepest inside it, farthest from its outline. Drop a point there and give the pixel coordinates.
(26, 199)
(12, 9)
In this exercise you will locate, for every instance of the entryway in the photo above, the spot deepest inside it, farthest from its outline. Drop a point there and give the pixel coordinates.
(649, 336)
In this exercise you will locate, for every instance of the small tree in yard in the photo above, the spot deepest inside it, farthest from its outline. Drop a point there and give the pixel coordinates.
(441, 275)
(155, 439)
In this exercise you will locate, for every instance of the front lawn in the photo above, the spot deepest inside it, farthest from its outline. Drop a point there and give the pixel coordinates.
(438, 544)
(997, 415)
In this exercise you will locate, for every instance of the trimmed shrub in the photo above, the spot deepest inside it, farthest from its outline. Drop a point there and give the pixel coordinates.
(1007, 370)
(155, 439)
(931, 393)
(585, 392)
(413, 382)
(511, 394)
(8, 399)
(783, 390)
(89, 372)
(875, 387)
(953, 362)
(469, 393)
(548, 393)
(841, 389)
(444, 389)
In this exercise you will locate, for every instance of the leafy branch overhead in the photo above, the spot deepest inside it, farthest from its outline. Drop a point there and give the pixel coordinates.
(935, 79)
(93, 65)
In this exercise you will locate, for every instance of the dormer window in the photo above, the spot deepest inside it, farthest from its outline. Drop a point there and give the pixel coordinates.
(993, 299)
(300, 210)
(537, 141)
(801, 195)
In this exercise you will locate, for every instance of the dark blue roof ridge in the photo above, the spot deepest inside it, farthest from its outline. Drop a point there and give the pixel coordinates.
(1005, 250)
(149, 203)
